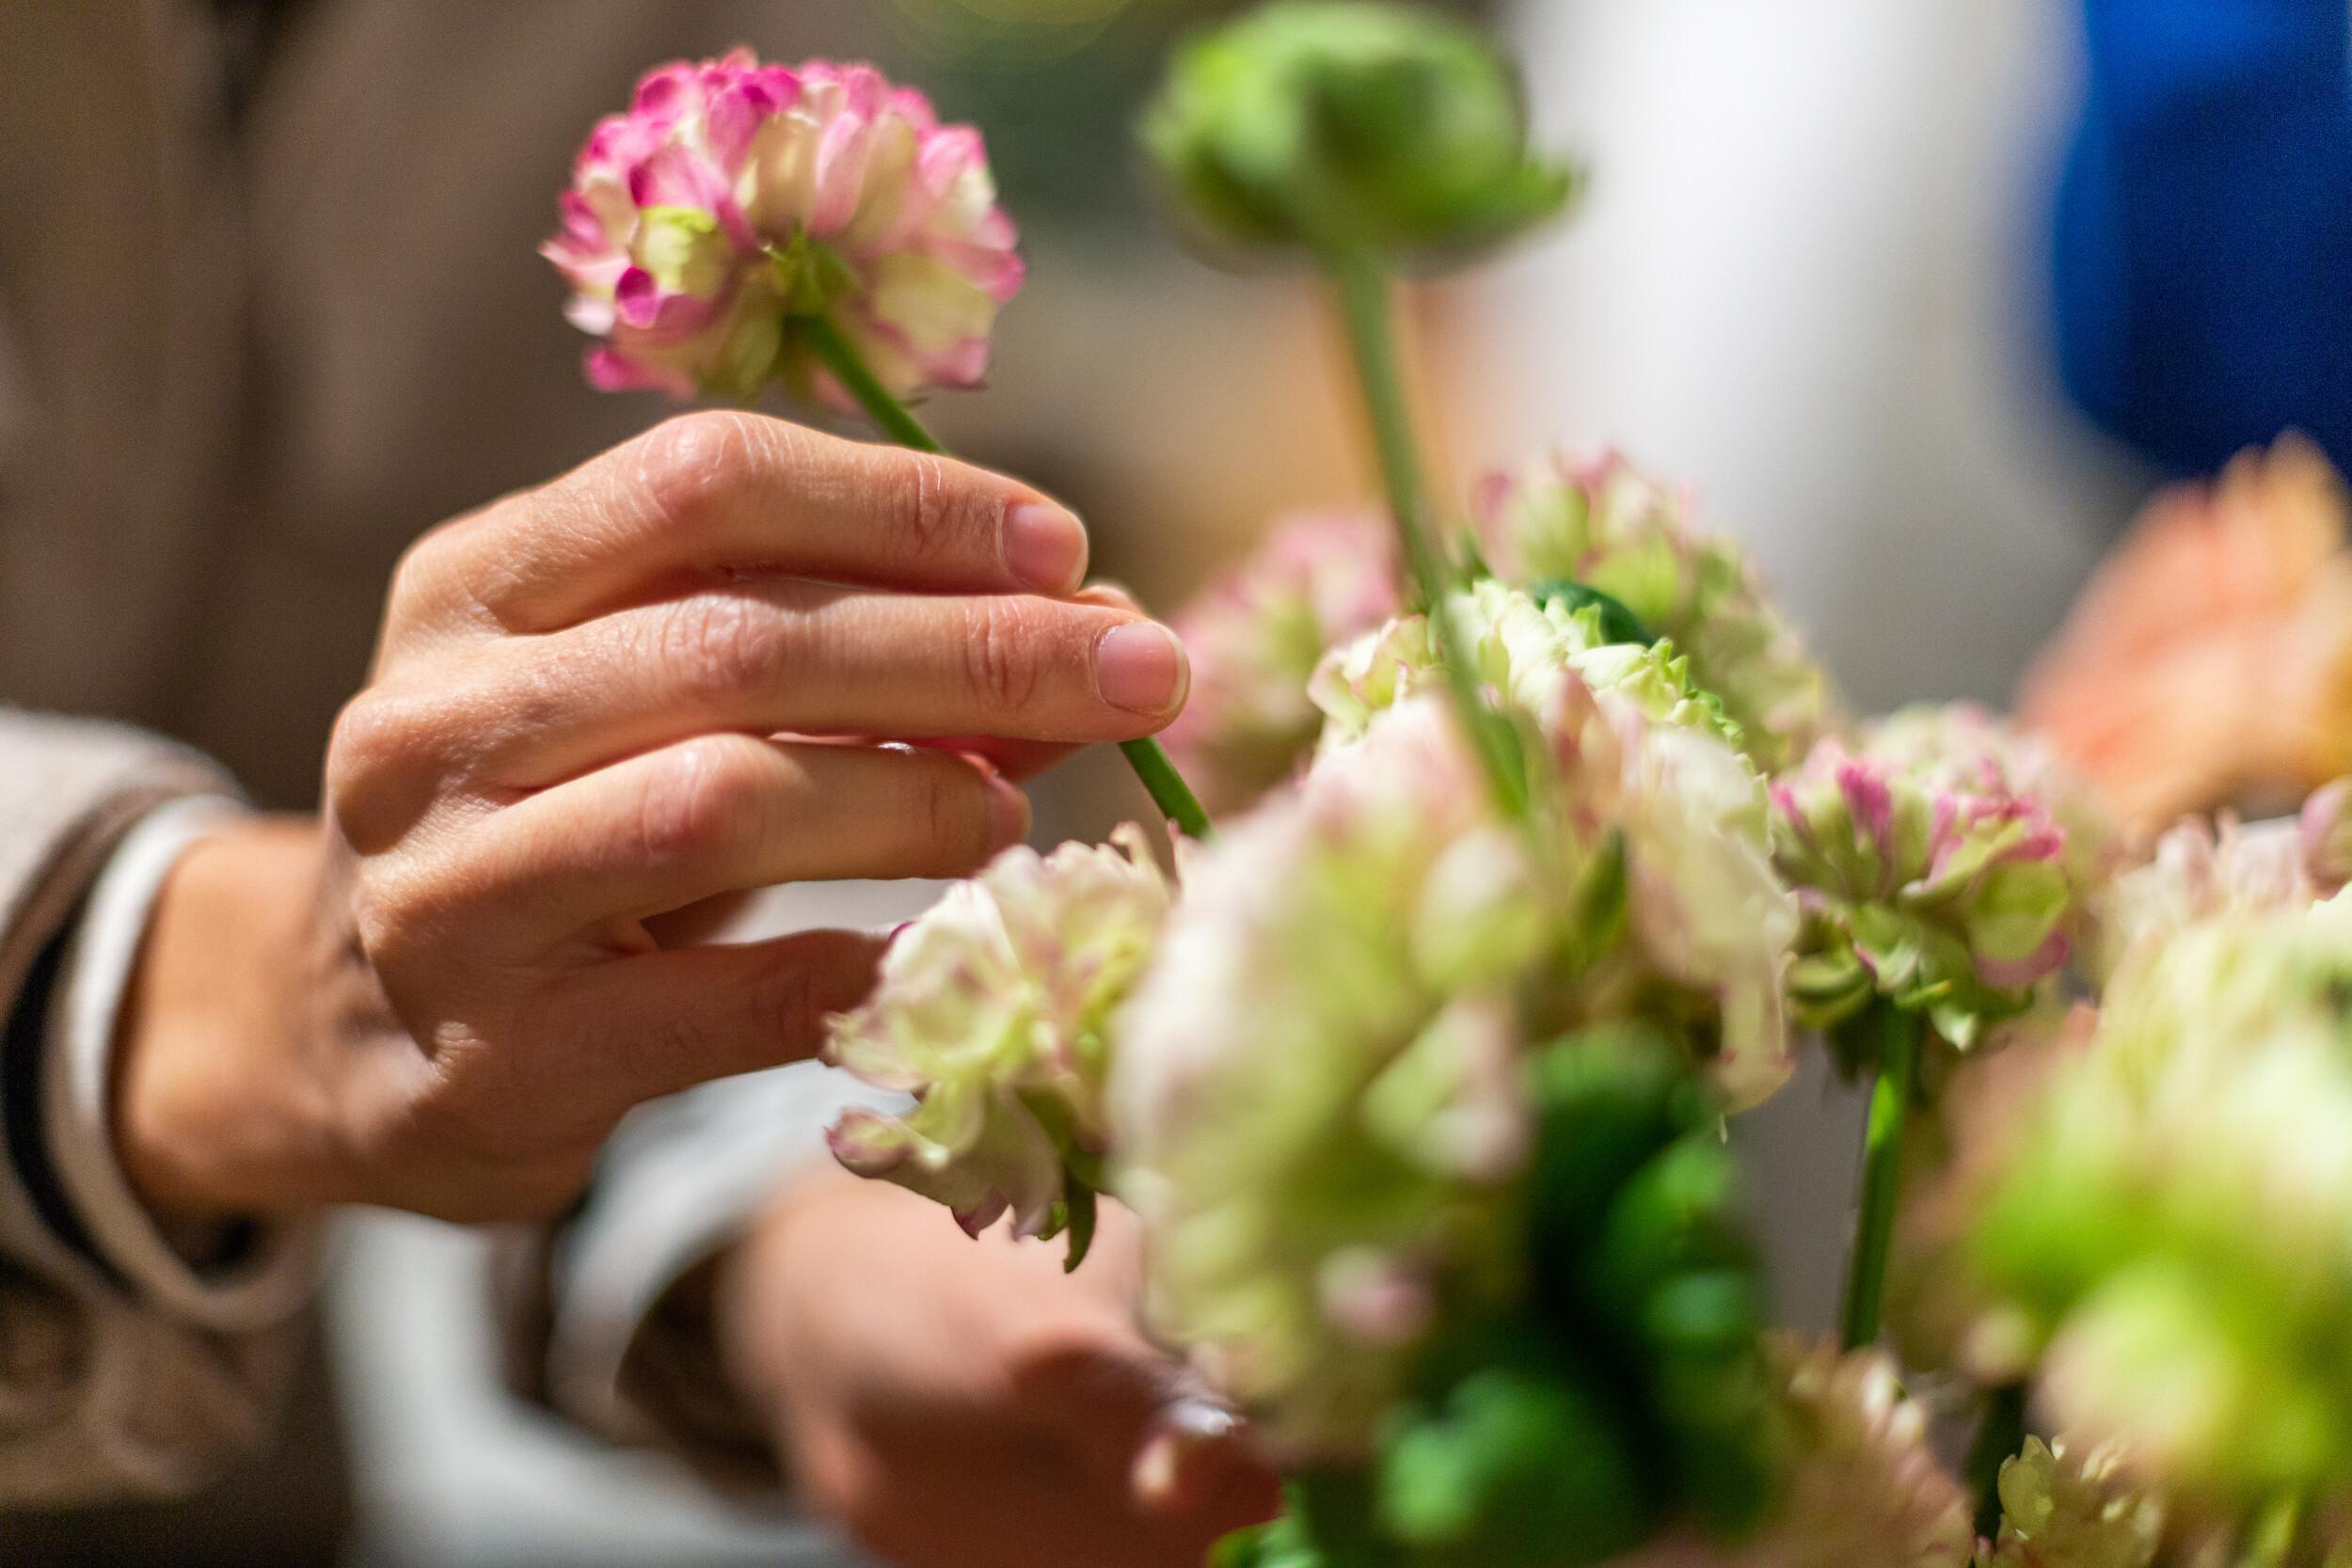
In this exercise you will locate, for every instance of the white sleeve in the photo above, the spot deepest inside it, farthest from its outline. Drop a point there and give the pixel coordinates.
(275, 1266)
(598, 1326)
(679, 1179)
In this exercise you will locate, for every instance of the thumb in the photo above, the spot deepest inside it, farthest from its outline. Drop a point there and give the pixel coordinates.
(1143, 1430)
(1197, 1457)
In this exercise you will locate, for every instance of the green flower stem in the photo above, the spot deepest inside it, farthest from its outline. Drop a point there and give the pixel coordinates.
(2270, 1534)
(1169, 792)
(2000, 1435)
(1148, 757)
(839, 356)
(1881, 1170)
(1361, 280)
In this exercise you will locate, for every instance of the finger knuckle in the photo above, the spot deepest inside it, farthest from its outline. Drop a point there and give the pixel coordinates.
(401, 918)
(1000, 654)
(379, 771)
(705, 795)
(688, 464)
(939, 510)
(718, 645)
(422, 581)
(415, 571)
(383, 920)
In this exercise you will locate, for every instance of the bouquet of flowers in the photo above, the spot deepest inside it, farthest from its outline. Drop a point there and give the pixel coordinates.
(1542, 847)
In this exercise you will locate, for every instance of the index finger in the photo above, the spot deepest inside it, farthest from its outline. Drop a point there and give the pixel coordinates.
(719, 494)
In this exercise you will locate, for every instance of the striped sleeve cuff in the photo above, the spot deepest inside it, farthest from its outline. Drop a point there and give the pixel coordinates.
(258, 1274)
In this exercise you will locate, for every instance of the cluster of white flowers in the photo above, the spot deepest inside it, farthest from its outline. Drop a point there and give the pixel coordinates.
(1318, 1091)
(1602, 523)
(994, 1007)
(1526, 650)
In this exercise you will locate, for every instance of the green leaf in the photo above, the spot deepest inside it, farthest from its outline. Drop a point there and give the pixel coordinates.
(1676, 1215)
(1618, 624)
(1597, 907)
(1605, 1102)
(1332, 1508)
(1519, 1469)
(1078, 1198)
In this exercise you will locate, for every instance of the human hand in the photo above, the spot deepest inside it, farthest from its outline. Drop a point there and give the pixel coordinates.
(952, 1401)
(601, 709)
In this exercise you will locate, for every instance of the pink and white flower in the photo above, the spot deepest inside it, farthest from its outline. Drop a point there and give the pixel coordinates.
(1254, 637)
(993, 1008)
(734, 194)
(1310, 1012)
(2205, 870)
(1601, 522)
(1948, 863)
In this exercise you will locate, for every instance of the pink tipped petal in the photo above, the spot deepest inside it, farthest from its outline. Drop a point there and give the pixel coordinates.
(2029, 971)
(677, 176)
(975, 1218)
(637, 297)
(734, 118)
(868, 1144)
(843, 149)
(663, 93)
(610, 370)
(998, 274)
(913, 106)
(1871, 802)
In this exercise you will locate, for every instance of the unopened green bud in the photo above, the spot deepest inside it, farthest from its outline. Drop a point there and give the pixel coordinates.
(1339, 124)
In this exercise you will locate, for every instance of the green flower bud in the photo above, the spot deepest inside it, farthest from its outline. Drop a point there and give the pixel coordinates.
(1339, 124)
(1518, 1469)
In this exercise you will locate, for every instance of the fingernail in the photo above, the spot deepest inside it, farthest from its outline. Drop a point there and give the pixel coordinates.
(1008, 814)
(1157, 1472)
(1140, 667)
(1186, 1431)
(1045, 548)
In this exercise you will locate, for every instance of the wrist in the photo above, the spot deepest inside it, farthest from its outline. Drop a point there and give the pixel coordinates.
(217, 1106)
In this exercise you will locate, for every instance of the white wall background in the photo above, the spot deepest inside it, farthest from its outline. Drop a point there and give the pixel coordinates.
(1810, 279)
